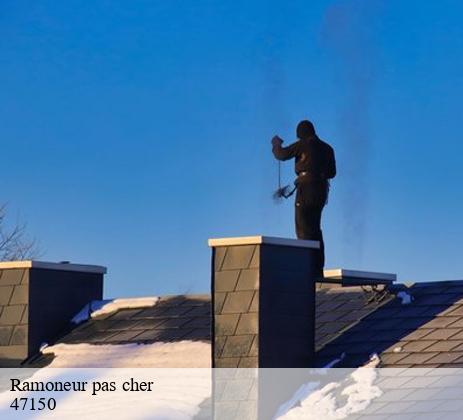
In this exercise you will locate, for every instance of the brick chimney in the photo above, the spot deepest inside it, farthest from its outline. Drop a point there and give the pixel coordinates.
(263, 294)
(37, 302)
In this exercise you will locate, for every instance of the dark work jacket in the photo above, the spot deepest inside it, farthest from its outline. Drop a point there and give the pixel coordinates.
(316, 158)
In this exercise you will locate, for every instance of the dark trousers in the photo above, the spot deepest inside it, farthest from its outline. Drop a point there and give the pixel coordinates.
(309, 210)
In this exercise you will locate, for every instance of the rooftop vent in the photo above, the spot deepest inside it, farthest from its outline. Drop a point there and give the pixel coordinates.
(358, 278)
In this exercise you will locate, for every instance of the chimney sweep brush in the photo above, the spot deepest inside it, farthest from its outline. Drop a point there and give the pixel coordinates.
(282, 192)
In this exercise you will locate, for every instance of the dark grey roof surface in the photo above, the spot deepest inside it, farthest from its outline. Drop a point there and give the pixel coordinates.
(339, 308)
(173, 318)
(425, 333)
(187, 317)
(428, 332)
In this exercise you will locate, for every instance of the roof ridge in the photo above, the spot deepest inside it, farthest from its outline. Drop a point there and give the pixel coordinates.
(432, 283)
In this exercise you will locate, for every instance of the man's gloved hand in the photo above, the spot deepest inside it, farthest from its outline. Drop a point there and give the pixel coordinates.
(276, 141)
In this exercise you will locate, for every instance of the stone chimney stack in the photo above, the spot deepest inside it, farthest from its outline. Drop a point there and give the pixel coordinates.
(37, 302)
(263, 294)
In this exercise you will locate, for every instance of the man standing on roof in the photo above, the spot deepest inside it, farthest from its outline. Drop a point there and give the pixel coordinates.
(315, 165)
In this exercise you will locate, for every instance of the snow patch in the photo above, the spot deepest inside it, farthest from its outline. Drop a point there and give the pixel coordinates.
(405, 297)
(305, 390)
(86, 312)
(335, 361)
(177, 394)
(374, 361)
(181, 354)
(358, 390)
(101, 307)
(300, 395)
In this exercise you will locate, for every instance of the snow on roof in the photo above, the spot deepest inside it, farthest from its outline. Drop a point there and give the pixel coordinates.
(159, 362)
(102, 307)
(171, 398)
(181, 354)
(177, 394)
(357, 392)
(405, 297)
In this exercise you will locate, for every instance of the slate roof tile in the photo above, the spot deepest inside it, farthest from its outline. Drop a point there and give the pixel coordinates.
(122, 325)
(436, 299)
(387, 324)
(420, 407)
(168, 323)
(448, 381)
(445, 345)
(330, 316)
(456, 363)
(439, 322)
(386, 312)
(447, 310)
(396, 394)
(356, 315)
(200, 322)
(442, 333)
(393, 358)
(417, 358)
(458, 336)
(202, 334)
(145, 313)
(432, 289)
(174, 311)
(456, 310)
(332, 327)
(329, 305)
(420, 345)
(409, 311)
(397, 407)
(457, 324)
(434, 310)
(124, 314)
(416, 334)
(458, 347)
(123, 336)
(447, 357)
(101, 337)
(418, 394)
(150, 335)
(150, 323)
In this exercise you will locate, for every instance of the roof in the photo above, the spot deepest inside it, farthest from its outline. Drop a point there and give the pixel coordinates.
(172, 318)
(339, 308)
(355, 320)
(428, 332)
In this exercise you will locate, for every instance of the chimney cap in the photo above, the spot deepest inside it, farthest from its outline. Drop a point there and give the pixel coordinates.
(63, 266)
(266, 240)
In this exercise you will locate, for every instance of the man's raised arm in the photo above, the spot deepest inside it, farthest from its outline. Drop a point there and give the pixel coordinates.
(283, 153)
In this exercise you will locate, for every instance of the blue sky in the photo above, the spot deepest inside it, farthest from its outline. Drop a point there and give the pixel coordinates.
(134, 131)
